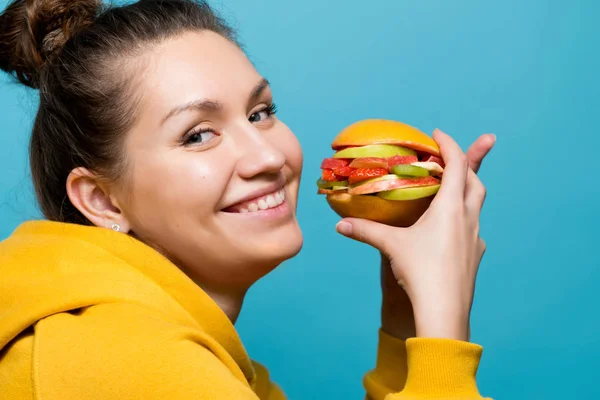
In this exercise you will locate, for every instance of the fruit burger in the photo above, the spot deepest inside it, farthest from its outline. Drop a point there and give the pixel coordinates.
(384, 171)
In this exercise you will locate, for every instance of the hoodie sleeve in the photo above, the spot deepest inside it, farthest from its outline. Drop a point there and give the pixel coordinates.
(423, 368)
(122, 351)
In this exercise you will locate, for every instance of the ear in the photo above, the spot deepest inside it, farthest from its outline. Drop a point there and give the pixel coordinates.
(93, 199)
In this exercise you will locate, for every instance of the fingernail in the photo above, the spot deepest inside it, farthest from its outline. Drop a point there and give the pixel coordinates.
(344, 228)
(438, 130)
(493, 136)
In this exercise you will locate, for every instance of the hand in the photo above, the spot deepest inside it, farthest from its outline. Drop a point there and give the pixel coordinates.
(436, 260)
(397, 317)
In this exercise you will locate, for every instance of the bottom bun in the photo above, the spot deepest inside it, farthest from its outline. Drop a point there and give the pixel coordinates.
(402, 213)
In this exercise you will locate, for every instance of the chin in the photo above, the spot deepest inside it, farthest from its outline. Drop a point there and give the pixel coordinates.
(284, 246)
(274, 251)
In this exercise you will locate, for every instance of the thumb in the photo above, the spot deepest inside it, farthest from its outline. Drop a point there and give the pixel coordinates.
(369, 232)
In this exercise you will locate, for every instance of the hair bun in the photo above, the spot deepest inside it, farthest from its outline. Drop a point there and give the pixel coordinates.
(31, 31)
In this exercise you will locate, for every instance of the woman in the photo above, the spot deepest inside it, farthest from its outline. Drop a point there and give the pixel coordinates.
(169, 188)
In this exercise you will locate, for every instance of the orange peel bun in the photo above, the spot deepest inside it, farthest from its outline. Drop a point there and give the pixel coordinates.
(383, 131)
(401, 213)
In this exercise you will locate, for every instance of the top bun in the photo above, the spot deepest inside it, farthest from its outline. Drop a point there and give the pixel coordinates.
(382, 131)
(31, 31)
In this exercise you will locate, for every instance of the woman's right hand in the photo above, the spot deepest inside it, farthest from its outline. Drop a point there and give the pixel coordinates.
(436, 260)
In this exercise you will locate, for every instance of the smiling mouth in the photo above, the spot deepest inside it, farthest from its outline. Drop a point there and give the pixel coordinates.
(266, 202)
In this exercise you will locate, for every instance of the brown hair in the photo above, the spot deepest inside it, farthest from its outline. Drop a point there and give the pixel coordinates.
(73, 52)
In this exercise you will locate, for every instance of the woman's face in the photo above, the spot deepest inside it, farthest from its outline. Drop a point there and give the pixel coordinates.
(214, 176)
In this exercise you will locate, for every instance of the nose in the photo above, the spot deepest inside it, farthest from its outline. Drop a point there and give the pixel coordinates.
(257, 154)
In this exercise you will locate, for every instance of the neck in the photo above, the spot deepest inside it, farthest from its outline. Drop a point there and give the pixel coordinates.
(229, 301)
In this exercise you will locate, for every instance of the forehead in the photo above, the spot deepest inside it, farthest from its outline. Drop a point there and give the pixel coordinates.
(197, 65)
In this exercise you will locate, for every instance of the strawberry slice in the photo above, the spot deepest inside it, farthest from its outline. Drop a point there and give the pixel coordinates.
(334, 163)
(395, 160)
(344, 171)
(369, 162)
(362, 174)
(330, 176)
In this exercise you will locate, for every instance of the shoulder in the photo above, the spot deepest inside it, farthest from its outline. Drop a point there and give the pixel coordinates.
(122, 350)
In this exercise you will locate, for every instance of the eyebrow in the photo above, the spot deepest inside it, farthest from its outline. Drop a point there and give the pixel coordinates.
(214, 106)
(258, 90)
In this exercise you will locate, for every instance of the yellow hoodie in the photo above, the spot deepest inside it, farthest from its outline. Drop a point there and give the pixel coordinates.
(88, 313)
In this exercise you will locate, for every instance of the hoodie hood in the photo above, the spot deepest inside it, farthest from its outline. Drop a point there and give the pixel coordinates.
(50, 267)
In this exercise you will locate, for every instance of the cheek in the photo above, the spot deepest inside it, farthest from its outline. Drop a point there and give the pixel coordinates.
(177, 185)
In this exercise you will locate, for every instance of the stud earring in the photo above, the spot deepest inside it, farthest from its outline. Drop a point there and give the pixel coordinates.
(116, 227)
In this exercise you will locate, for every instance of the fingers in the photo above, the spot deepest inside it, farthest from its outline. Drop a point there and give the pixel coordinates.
(370, 232)
(475, 193)
(481, 246)
(481, 249)
(459, 175)
(457, 166)
(479, 149)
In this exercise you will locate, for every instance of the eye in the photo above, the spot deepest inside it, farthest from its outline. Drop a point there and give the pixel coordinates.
(263, 114)
(198, 136)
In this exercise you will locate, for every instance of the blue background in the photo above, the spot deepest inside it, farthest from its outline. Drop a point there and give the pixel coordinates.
(524, 70)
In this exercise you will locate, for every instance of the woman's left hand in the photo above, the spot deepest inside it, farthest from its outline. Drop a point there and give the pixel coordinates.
(397, 317)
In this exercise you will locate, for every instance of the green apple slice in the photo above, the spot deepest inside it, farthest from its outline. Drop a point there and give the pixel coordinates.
(323, 184)
(338, 185)
(412, 193)
(375, 150)
(433, 167)
(409, 170)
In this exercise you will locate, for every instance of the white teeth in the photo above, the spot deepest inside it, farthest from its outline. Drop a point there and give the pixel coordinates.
(278, 197)
(271, 201)
(262, 204)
